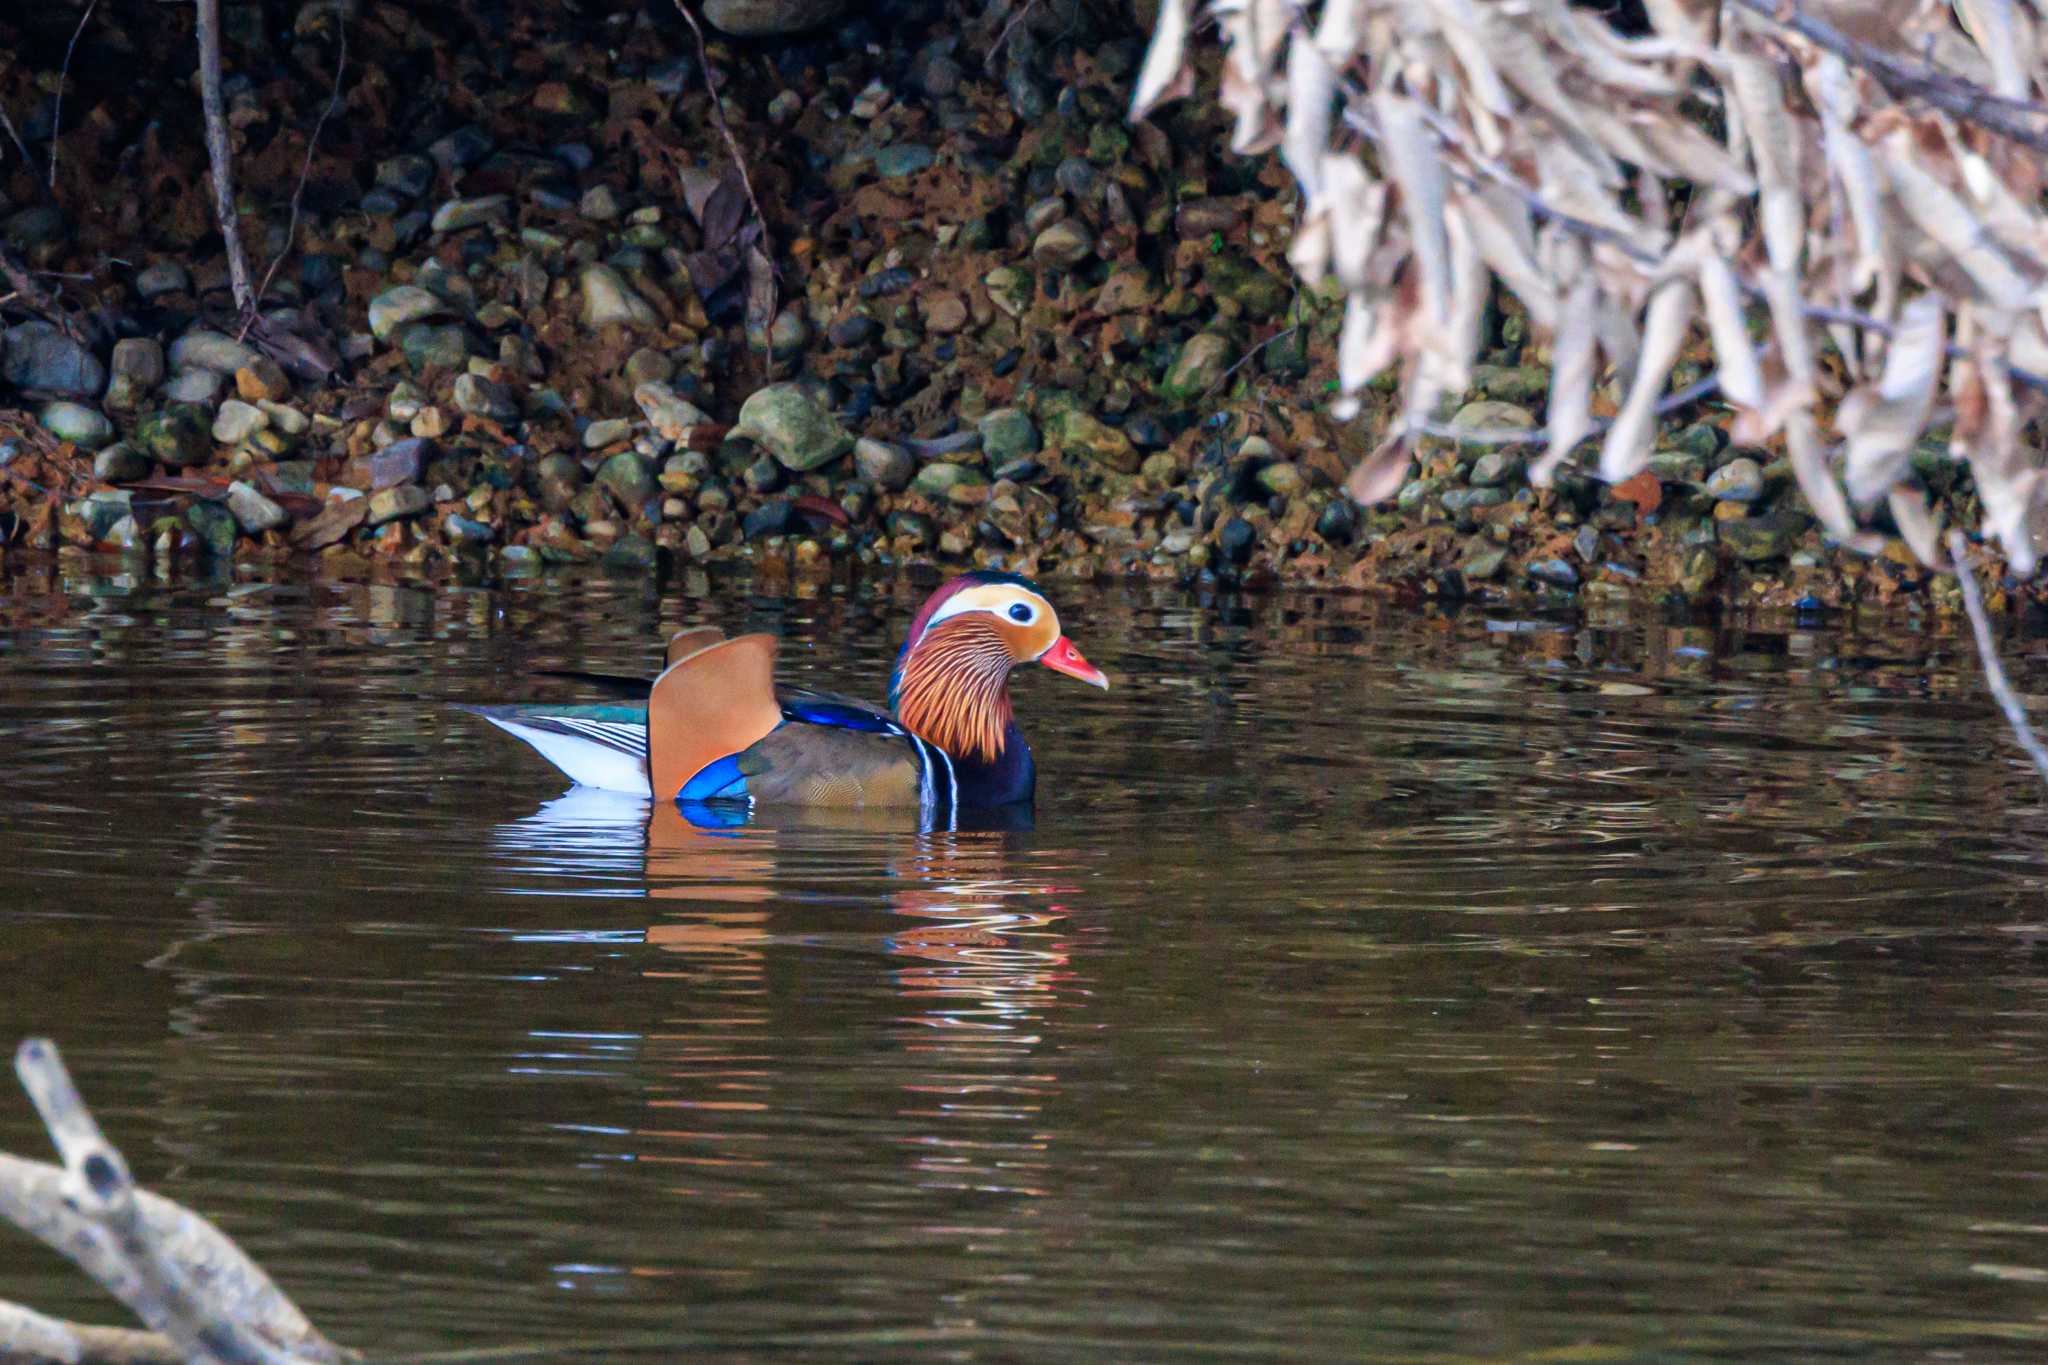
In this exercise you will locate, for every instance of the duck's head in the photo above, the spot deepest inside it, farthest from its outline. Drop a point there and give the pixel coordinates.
(951, 684)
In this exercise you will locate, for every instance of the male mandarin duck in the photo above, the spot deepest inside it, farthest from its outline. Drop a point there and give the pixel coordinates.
(716, 728)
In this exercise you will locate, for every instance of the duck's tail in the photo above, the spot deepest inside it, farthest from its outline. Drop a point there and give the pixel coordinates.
(596, 746)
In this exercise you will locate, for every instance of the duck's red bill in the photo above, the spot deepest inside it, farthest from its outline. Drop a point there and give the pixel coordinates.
(1064, 658)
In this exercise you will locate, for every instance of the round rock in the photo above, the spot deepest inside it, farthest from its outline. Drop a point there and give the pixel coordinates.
(793, 427)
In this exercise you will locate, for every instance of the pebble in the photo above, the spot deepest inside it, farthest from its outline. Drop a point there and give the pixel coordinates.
(1494, 468)
(120, 463)
(397, 306)
(255, 512)
(400, 462)
(426, 344)
(673, 417)
(38, 356)
(1556, 572)
(903, 158)
(1082, 433)
(1064, 245)
(87, 428)
(1740, 480)
(160, 278)
(944, 313)
(852, 332)
(882, 464)
(408, 175)
(882, 283)
(769, 18)
(175, 436)
(397, 503)
(1199, 367)
(204, 350)
(649, 366)
(237, 421)
(600, 204)
(611, 431)
(457, 215)
(263, 381)
(480, 397)
(136, 368)
(771, 518)
(1008, 434)
(194, 386)
(1235, 539)
(629, 477)
(1009, 289)
(607, 298)
(215, 526)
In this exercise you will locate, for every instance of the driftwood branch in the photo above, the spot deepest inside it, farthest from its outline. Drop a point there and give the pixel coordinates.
(26, 1335)
(201, 1295)
(221, 156)
(1987, 655)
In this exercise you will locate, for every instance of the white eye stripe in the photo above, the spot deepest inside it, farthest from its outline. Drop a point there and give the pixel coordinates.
(965, 602)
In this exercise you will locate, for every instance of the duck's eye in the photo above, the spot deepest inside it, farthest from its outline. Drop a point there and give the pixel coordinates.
(1021, 613)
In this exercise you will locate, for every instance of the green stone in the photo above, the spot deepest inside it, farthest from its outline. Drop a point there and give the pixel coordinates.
(176, 436)
(215, 526)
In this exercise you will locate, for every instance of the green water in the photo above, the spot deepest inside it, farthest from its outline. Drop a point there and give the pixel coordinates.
(1373, 985)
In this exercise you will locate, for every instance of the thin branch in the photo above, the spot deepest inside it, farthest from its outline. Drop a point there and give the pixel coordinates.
(291, 232)
(63, 77)
(1987, 656)
(221, 155)
(732, 145)
(14, 136)
(995, 49)
(1246, 358)
(761, 292)
(33, 295)
(1906, 80)
(1523, 436)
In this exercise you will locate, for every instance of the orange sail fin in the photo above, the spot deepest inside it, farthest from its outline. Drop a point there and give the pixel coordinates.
(708, 704)
(684, 643)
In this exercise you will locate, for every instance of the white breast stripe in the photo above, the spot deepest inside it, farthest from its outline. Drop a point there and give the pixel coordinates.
(953, 786)
(925, 781)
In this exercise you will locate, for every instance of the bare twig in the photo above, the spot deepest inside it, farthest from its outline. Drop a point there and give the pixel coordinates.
(63, 76)
(1246, 358)
(995, 49)
(760, 267)
(33, 295)
(1987, 656)
(14, 136)
(1914, 80)
(221, 156)
(291, 231)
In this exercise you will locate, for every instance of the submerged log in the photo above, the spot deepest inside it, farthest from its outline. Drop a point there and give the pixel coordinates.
(201, 1296)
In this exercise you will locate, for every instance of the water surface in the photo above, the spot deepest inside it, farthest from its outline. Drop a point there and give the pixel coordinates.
(1374, 984)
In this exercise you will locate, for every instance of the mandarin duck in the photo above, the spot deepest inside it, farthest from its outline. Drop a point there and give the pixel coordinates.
(715, 728)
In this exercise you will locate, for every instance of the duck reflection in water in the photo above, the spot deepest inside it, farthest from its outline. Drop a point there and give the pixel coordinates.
(946, 1058)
